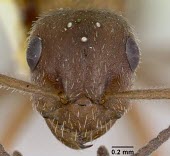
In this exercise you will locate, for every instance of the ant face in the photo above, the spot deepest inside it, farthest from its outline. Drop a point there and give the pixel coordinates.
(82, 56)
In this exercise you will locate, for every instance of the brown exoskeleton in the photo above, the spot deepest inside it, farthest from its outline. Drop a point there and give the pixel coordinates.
(82, 65)
(82, 56)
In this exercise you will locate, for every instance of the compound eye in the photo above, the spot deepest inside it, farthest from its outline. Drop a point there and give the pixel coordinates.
(132, 52)
(34, 52)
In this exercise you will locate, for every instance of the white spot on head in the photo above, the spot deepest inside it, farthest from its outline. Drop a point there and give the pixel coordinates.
(65, 29)
(69, 25)
(84, 39)
(98, 24)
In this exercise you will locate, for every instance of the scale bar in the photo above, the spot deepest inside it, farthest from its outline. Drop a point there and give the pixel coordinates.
(122, 146)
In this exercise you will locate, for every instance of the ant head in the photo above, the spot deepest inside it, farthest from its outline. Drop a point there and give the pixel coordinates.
(82, 55)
